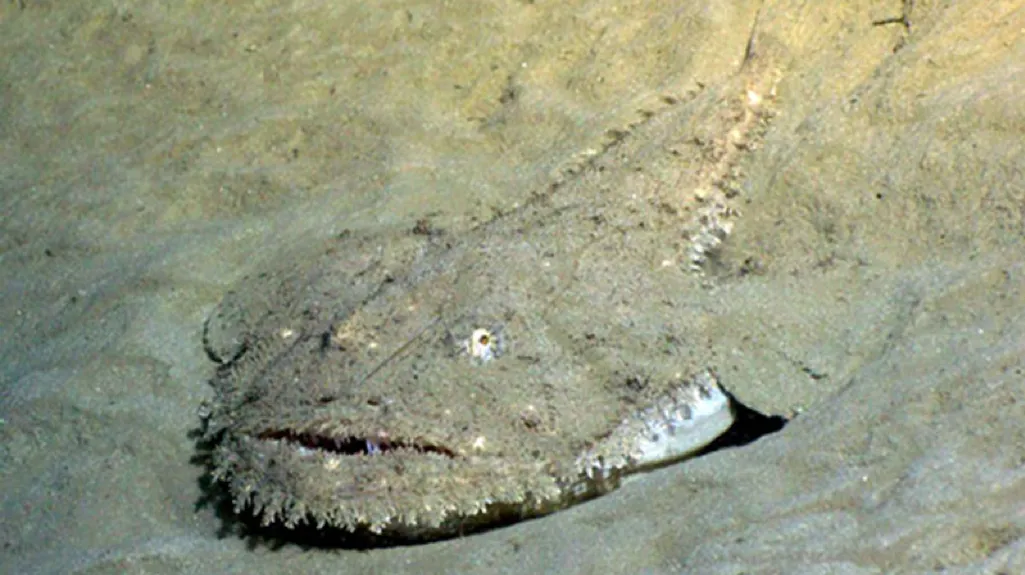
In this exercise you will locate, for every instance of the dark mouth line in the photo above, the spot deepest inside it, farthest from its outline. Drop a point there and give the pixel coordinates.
(353, 445)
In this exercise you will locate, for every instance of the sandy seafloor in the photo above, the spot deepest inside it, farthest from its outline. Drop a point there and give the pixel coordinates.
(153, 153)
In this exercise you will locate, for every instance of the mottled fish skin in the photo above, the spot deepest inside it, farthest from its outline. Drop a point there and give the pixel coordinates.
(452, 397)
(523, 367)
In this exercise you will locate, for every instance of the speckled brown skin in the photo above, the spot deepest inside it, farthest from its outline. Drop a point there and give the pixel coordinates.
(349, 394)
(322, 369)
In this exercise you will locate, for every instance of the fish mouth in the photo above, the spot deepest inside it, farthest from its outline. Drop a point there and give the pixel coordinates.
(378, 444)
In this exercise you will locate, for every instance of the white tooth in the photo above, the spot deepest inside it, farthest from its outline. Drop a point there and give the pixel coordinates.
(373, 448)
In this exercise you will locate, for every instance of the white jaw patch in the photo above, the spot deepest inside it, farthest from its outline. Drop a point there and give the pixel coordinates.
(677, 431)
(678, 425)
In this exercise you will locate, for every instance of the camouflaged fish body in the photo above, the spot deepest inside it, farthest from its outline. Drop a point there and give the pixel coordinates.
(508, 376)
(509, 372)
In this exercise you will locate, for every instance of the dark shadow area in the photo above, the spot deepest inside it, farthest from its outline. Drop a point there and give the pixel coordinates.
(748, 425)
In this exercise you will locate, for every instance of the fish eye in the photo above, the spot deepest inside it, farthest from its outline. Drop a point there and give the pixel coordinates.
(482, 345)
